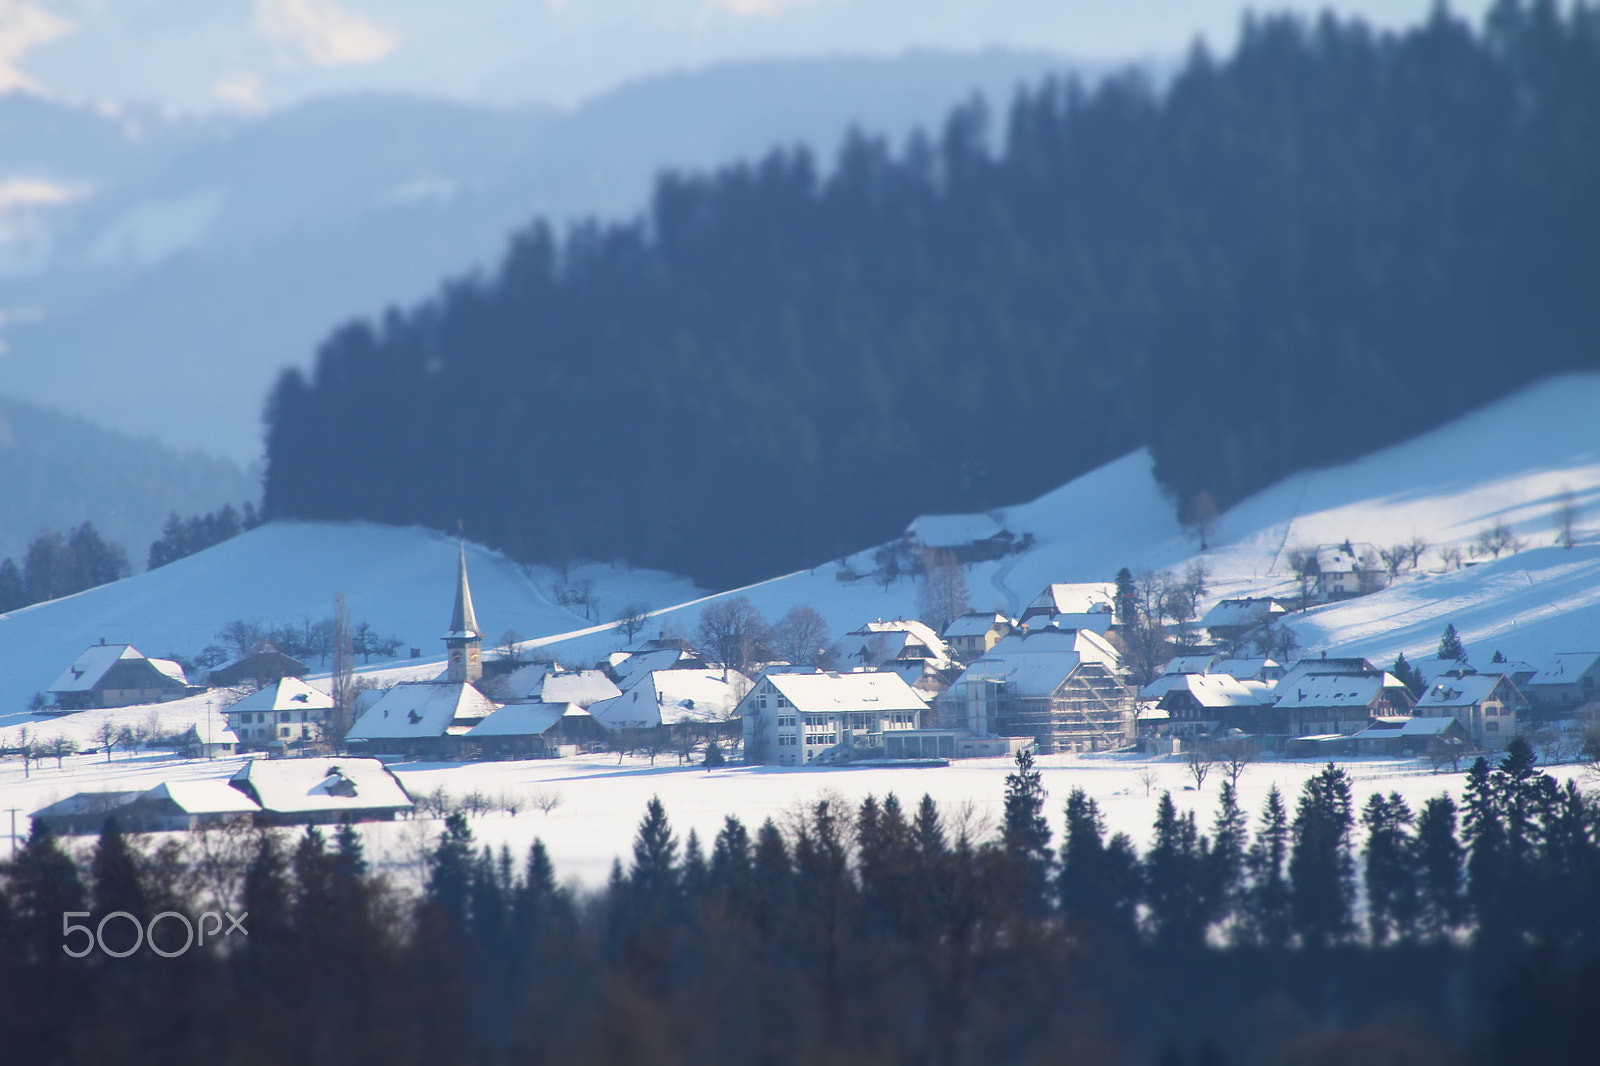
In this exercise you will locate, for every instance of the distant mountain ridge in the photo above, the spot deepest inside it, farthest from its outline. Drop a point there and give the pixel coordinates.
(191, 260)
(56, 471)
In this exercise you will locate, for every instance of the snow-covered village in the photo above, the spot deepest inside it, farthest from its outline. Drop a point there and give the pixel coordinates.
(799, 532)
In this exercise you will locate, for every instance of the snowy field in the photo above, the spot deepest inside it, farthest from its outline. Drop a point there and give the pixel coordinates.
(601, 802)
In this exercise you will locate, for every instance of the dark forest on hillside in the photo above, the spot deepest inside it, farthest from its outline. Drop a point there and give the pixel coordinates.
(875, 935)
(1329, 241)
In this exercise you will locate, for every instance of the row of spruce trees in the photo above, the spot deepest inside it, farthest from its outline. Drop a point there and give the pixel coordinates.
(1330, 239)
(878, 935)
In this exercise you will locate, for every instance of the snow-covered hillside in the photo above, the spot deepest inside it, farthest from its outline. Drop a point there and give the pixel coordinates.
(1518, 461)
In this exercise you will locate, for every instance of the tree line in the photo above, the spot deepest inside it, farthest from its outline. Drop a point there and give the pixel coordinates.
(875, 934)
(1330, 239)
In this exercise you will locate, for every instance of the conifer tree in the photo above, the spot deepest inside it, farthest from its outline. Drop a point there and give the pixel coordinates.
(450, 871)
(1441, 902)
(1450, 646)
(115, 883)
(1408, 676)
(1321, 868)
(1268, 918)
(1176, 889)
(730, 860)
(1230, 839)
(1391, 870)
(1099, 883)
(1025, 834)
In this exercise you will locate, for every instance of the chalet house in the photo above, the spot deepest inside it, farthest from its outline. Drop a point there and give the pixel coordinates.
(974, 633)
(1341, 704)
(1486, 705)
(172, 805)
(1173, 673)
(1202, 705)
(1058, 686)
(678, 700)
(321, 791)
(791, 719)
(260, 667)
(1086, 605)
(907, 647)
(549, 683)
(1345, 570)
(287, 711)
(1413, 736)
(83, 813)
(421, 718)
(117, 675)
(1229, 621)
(530, 730)
(1565, 682)
(970, 538)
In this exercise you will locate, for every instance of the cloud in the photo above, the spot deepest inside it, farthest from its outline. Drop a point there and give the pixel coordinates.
(24, 26)
(759, 8)
(322, 33)
(241, 89)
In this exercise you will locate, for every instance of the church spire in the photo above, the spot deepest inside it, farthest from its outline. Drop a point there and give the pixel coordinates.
(464, 640)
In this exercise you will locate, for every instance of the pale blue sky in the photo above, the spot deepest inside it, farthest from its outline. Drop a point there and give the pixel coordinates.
(203, 54)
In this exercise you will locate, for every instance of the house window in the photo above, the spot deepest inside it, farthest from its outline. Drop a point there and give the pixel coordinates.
(782, 700)
(284, 731)
(1491, 727)
(761, 701)
(283, 716)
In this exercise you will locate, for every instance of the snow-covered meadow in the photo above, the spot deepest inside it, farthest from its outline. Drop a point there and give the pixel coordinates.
(601, 801)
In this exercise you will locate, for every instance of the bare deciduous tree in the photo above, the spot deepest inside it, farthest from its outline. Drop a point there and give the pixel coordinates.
(1497, 540)
(1305, 567)
(632, 618)
(943, 597)
(733, 632)
(1566, 517)
(1414, 548)
(1198, 762)
(1451, 557)
(544, 800)
(1233, 755)
(800, 636)
(1148, 777)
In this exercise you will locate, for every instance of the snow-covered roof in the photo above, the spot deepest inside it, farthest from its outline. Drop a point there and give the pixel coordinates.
(953, 530)
(292, 786)
(1333, 559)
(91, 666)
(170, 668)
(1564, 668)
(669, 697)
(900, 639)
(1431, 670)
(288, 694)
(1331, 690)
(1160, 686)
(864, 691)
(1098, 621)
(1242, 612)
(1305, 668)
(583, 687)
(1461, 691)
(520, 720)
(1247, 669)
(213, 796)
(1085, 643)
(416, 709)
(1417, 726)
(1220, 690)
(1079, 598)
(632, 668)
(1190, 664)
(974, 625)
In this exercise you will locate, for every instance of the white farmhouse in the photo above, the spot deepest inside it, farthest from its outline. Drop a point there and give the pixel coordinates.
(791, 719)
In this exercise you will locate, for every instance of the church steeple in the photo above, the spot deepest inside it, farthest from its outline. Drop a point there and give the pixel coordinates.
(464, 640)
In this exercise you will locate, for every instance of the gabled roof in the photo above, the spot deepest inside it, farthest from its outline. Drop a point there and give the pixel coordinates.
(287, 694)
(87, 669)
(302, 785)
(520, 720)
(830, 692)
(1305, 668)
(1035, 663)
(1431, 670)
(1080, 598)
(418, 709)
(1247, 669)
(212, 796)
(1085, 643)
(1565, 668)
(1416, 726)
(669, 697)
(974, 624)
(583, 687)
(953, 530)
(1462, 691)
(1242, 612)
(1191, 664)
(899, 638)
(1331, 690)
(1220, 690)
(141, 673)
(463, 622)
(634, 667)
(81, 803)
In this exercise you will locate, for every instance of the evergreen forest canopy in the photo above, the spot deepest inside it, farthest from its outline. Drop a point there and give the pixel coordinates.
(1332, 240)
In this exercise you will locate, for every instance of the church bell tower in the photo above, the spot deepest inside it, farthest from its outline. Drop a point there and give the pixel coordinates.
(464, 640)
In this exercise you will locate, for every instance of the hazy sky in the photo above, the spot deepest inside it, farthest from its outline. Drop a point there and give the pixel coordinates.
(205, 54)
